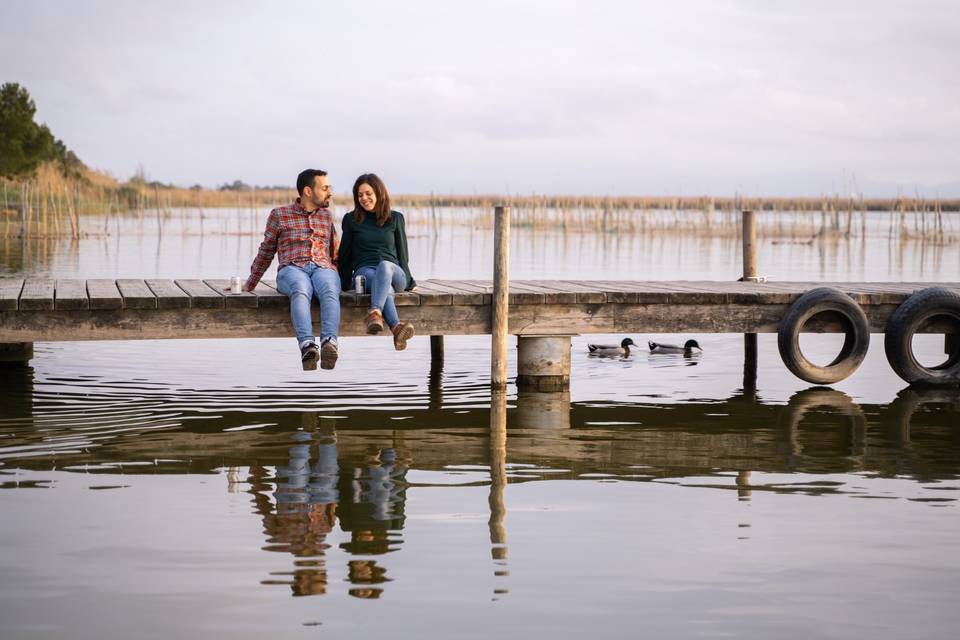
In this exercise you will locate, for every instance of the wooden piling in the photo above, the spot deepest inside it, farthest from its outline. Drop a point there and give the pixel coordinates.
(500, 306)
(436, 353)
(749, 274)
(749, 246)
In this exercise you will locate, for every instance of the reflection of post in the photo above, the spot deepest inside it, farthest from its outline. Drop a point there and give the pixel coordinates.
(15, 354)
(498, 480)
(16, 391)
(435, 389)
(743, 485)
(543, 410)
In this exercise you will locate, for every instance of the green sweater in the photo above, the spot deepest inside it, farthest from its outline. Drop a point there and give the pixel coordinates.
(366, 245)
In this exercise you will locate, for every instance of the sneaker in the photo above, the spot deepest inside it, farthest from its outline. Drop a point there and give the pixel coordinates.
(309, 355)
(374, 321)
(402, 332)
(328, 354)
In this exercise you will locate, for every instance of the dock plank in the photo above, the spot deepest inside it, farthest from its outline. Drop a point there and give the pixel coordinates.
(466, 293)
(458, 296)
(37, 294)
(242, 300)
(104, 294)
(136, 294)
(71, 294)
(202, 296)
(432, 295)
(168, 294)
(585, 293)
(268, 296)
(552, 293)
(10, 289)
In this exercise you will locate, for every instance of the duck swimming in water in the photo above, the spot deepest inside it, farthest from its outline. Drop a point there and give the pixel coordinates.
(612, 349)
(686, 349)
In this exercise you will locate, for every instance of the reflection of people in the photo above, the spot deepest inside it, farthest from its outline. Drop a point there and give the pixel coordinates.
(375, 246)
(372, 501)
(304, 235)
(366, 572)
(312, 492)
(306, 509)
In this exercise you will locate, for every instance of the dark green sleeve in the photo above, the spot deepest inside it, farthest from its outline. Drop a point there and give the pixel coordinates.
(346, 250)
(400, 238)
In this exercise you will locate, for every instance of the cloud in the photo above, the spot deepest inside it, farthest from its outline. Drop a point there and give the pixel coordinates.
(560, 96)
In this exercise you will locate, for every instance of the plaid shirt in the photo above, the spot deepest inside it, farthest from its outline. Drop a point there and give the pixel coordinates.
(299, 237)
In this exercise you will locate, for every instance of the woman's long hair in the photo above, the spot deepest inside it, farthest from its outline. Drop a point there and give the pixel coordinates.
(381, 208)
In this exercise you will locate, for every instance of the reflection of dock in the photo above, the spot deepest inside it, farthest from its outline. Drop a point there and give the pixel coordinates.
(818, 430)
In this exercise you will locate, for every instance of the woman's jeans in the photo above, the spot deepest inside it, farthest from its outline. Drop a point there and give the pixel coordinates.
(301, 284)
(381, 281)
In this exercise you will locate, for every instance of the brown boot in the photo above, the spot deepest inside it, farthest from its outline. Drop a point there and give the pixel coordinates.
(402, 332)
(374, 321)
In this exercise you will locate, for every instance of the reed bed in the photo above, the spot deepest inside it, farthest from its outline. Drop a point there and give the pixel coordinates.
(52, 205)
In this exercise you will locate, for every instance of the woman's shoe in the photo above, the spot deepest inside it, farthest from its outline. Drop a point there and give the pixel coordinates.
(402, 332)
(374, 321)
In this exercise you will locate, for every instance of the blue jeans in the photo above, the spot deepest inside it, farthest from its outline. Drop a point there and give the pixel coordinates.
(381, 281)
(301, 284)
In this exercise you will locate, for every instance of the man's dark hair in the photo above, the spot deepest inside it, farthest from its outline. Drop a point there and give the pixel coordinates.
(306, 177)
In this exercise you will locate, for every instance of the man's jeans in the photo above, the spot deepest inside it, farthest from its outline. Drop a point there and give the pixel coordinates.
(381, 281)
(300, 284)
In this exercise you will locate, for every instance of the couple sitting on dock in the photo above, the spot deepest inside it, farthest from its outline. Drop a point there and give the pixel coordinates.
(314, 263)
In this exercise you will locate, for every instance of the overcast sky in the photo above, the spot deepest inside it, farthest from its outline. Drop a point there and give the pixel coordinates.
(716, 97)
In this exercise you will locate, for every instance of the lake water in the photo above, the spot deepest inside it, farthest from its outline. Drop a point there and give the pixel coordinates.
(187, 488)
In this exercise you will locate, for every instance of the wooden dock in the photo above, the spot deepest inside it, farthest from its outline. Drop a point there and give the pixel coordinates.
(34, 310)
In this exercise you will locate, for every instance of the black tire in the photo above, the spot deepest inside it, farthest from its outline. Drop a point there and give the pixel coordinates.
(898, 339)
(855, 343)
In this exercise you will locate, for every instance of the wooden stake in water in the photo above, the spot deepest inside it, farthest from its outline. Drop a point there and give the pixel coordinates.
(501, 284)
(749, 246)
(749, 274)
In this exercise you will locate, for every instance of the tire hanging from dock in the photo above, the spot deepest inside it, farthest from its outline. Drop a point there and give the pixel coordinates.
(839, 306)
(918, 309)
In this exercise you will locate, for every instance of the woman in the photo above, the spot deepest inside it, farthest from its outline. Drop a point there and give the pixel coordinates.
(374, 245)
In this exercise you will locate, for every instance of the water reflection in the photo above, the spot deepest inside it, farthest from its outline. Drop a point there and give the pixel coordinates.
(819, 430)
(498, 482)
(312, 491)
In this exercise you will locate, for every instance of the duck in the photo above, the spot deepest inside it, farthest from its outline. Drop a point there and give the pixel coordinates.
(611, 349)
(686, 349)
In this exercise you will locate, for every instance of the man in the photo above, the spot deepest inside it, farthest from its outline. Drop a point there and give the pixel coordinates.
(304, 235)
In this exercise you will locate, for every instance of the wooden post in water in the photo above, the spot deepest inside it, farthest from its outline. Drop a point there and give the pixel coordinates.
(436, 353)
(501, 286)
(749, 246)
(749, 275)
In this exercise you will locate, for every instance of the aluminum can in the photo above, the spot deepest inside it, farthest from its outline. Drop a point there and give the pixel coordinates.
(236, 285)
(359, 282)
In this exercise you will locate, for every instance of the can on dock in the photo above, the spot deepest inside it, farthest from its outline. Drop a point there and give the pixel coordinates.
(236, 285)
(359, 282)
